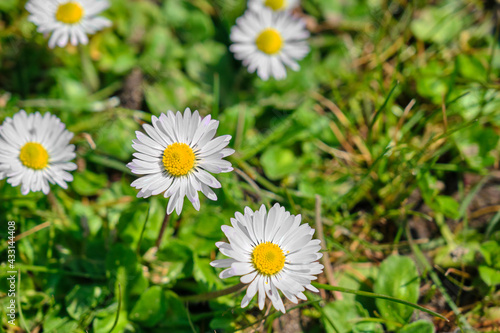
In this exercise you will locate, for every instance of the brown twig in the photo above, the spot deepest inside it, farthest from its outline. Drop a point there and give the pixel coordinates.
(401, 120)
(261, 326)
(484, 211)
(57, 208)
(249, 181)
(445, 118)
(332, 107)
(32, 230)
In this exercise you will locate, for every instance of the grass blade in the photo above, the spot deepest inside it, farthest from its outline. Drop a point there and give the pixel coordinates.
(374, 295)
(119, 307)
(375, 116)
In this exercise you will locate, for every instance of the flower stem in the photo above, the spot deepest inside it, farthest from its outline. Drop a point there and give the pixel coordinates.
(162, 230)
(214, 294)
(374, 295)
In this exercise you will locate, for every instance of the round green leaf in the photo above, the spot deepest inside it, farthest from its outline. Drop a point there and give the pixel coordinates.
(278, 162)
(398, 277)
(150, 308)
(420, 326)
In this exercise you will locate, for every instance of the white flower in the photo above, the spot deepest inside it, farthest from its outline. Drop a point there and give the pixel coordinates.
(276, 5)
(68, 20)
(176, 154)
(271, 252)
(266, 41)
(35, 151)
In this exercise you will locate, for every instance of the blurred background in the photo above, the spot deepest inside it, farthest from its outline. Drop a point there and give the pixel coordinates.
(393, 121)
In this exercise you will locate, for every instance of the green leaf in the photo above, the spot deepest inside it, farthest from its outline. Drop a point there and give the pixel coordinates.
(419, 326)
(448, 206)
(343, 315)
(471, 67)
(54, 320)
(204, 273)
(200, 55)
(178, 258)
(491, 253)
(489, 275)
(104, 322)
(377, 296)
(87, 183)
(116, 140)
(478, 145)
(358, 277)
(176, 313)
(398, 277)
(131, 223)
(223, 324)
(7, 5)
(439, 25)
(122, 267)
(278, 162)
(81, 299)
(433, 80)
(150, 308)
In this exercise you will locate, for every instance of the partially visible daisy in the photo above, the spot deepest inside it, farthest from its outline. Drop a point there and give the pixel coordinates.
(68, 20)
(266, 41)
(270, 252)
(35, 151)
(175, 155)
(275, 5)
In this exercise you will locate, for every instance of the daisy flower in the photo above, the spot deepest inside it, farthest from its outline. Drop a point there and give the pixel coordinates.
(270, 252)
(266, 41)
(68, 20)
(35, 151)
(275, 5)
(175, 155)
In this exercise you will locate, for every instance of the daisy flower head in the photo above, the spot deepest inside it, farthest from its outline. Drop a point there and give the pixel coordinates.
(35, 151)
(267, 41)
(174, 156)
(68, 20)
(275, 5)
(270, 251)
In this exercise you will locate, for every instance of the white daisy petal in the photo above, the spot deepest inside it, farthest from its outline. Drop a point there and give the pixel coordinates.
(208, 192)
(228, 272)
(222, 263)
(249, 277)
(312, 288)
(242, 268)
(274, 296)
(175, 153)
(302, 296)
(35, 151)
(262, 293)
(227, 250)
(172, 203)
(255, 245)
(251, 291)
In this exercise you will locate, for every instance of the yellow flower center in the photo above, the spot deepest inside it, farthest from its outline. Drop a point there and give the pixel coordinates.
(275, 4)
(269, 41)
(34, 156)
(178, 159)
(268, 258)
(69, 12)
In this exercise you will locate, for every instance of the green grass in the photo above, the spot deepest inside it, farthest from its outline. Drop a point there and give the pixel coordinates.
(393, 120)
